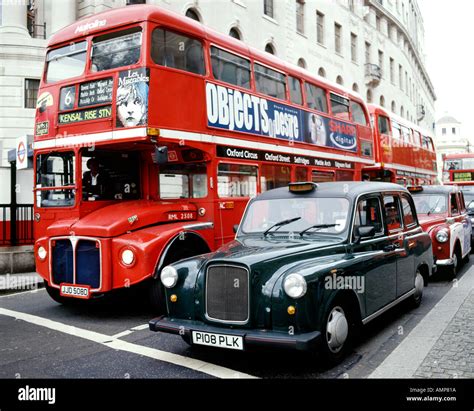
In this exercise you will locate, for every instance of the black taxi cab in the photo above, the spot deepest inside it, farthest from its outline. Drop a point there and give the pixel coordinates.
(310, 264)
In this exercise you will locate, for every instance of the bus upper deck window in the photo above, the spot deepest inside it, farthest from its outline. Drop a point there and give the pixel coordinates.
(358, 114)
(316, 98)
(383, 125)
(175, 50)
(230, 68)
(116, 49)
(339, 106)
(270, 82)
(66, 62)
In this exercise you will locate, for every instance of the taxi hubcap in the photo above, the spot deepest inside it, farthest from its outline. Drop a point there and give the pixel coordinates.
(419, 283)
(337, 329)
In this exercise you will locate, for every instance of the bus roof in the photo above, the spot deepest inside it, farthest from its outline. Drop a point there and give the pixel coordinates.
(115, 18)
(458, 156)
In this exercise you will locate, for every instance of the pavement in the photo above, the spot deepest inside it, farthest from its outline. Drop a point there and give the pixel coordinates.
(441, 345)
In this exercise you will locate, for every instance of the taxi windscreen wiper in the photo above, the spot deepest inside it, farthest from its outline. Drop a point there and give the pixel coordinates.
(281, 224)
(317, 226)
(432, 210)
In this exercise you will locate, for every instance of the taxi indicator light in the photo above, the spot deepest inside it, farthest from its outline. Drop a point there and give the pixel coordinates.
(291, 310)
(306, 187)
(173, 298)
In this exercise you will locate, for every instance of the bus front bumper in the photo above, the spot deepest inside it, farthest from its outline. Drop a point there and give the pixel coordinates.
(252, 338)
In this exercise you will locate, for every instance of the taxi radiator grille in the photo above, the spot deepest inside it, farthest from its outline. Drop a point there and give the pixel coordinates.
(227, 293)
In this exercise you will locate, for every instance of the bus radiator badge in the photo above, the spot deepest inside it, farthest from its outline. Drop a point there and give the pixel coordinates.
(132, 219)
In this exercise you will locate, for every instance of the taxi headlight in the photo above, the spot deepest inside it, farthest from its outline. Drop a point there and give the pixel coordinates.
(128, 256)
(295, 285)
(442, 236)
(169, 276)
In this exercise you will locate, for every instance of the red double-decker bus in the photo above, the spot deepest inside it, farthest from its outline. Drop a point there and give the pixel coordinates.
(404, 153)
(458, 169)
(153, 131)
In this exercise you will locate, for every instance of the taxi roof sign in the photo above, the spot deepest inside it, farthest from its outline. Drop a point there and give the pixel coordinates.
(304, 187)
(415, 189)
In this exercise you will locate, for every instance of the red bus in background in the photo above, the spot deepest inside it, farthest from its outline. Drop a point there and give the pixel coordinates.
(404, 153)
(152, 132)
(459, 169)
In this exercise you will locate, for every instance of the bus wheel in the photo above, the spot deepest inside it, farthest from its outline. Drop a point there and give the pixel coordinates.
(54, 294)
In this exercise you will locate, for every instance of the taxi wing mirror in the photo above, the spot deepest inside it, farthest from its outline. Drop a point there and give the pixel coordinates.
(364, 231)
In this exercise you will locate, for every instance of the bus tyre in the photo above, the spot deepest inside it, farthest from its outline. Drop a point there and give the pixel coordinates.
(54, 294)
(419, 286)
(337, 333)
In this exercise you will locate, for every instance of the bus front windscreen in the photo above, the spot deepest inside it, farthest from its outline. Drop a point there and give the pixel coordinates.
(66, 62)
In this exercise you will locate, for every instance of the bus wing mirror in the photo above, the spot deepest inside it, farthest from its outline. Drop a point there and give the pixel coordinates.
(161, 155)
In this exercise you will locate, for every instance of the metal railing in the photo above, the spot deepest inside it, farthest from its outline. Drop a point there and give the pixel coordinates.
(16, 224)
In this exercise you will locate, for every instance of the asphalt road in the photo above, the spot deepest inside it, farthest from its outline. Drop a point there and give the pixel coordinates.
(40, 338)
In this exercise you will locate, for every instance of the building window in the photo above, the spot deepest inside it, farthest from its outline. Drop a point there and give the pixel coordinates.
(268, 8)
(367, 53)
(302, 63)
(193, 14)
(300, 16)
(378, 24)
(381, 56)
(402, 111)
(369, 96)
(31, 92)
(338, 38)
(235, 33)
(340, 80)
(321, 72)
(392, 70)
(355, 87)
(320, 27)
(394, 107)
(270, 49)
(454, 131)
(354, 47)
(382, 101)
(400, 76)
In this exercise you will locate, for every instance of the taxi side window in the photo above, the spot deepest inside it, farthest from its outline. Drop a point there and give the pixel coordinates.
(369, 214)
(454, 204)
(392, 213)
(408, 213)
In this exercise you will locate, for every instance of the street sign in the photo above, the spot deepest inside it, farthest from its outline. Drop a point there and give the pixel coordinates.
(22, 153)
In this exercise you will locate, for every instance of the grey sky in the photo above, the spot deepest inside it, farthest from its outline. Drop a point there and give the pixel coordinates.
(449, 32)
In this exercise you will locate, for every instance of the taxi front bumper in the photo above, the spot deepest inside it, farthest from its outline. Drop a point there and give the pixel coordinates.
(252, 338)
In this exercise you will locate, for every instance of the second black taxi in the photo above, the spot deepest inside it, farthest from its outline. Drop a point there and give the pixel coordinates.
(310, 264)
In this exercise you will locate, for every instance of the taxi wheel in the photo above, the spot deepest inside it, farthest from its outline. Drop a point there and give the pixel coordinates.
(337, 333)
(457, 259)
(419, 285)
(54, 294)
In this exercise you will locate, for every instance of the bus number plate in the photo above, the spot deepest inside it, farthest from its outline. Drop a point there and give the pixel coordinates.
(77, 291)
(180, 216)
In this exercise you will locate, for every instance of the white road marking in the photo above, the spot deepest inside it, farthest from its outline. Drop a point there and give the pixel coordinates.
(111, 342)
(140, 327)
(122, 334)
(36, 290)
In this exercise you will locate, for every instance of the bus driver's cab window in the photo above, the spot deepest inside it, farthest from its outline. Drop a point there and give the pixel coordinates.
(110, 176)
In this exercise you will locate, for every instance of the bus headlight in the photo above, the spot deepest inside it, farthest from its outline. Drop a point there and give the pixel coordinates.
(42, 253)
(295, 285)
(127, 256)
(169, 276)
(442, 236)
